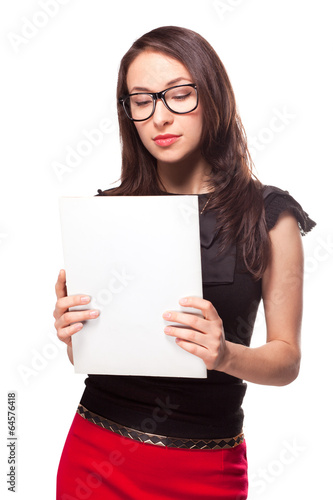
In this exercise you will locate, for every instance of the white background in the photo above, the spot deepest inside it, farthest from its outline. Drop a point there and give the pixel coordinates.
(60, 82)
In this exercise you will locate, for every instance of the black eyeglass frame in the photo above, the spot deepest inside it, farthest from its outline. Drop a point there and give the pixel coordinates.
(159, 95)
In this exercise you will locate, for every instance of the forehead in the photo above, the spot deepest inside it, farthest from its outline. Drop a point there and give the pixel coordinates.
(154, 70)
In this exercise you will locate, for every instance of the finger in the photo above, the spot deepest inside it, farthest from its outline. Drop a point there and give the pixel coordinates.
(190, 336)
(189, 319)
(65, 334)
(75, 316)
(64, 303)
(199, 351)
(192, 348)
(206, 307)
(60, 287)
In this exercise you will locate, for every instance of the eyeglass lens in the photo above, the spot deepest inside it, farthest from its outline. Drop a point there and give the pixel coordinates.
(182, 99)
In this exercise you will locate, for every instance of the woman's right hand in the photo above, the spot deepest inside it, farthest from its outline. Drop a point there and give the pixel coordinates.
(69, 322)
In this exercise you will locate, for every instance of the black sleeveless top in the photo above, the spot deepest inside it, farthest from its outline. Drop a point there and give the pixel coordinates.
(190, 407)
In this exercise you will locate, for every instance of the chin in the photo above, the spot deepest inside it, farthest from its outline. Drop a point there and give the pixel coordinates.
(170, 158)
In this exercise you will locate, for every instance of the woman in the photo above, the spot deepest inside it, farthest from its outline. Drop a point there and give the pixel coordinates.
(169, 438)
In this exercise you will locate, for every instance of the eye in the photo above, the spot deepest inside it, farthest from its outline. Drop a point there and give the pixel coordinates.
(141, 101)
(180, 94)
(181, 97)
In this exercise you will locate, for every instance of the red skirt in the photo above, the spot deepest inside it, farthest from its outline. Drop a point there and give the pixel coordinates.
(98, 464)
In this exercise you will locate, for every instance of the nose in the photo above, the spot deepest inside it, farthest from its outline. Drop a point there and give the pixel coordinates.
(162, 115)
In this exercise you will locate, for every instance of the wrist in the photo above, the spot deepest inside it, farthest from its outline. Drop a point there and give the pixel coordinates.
(225, 363)
(233, 358)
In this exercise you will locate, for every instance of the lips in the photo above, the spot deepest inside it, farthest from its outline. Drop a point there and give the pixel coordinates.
(166, 139)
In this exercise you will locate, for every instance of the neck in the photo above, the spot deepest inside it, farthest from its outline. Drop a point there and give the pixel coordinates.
(189, 176)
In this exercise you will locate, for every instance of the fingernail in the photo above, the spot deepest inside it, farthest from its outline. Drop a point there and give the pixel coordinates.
(183, 301)
(78, 327)
(167, 315)
(85, 299)
(94, 314)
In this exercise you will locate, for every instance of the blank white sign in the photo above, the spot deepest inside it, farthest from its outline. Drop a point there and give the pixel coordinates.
(136, 256)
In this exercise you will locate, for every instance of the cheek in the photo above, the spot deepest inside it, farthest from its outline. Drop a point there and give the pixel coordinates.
(194, 130)
(194, 123)
(143, 133)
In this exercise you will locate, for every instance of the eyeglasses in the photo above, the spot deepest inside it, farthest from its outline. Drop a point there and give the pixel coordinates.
(180, 99)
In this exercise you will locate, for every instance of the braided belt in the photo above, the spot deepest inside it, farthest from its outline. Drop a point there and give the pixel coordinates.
(171, 442)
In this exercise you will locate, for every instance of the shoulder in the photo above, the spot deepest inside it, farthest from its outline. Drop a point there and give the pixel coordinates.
(279, 203)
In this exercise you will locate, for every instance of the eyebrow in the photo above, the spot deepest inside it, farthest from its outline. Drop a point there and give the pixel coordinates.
(144, 89)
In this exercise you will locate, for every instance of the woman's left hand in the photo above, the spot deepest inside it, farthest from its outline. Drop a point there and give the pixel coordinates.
(206, 339)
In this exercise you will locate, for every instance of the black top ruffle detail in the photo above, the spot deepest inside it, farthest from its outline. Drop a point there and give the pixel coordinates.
(277, 201)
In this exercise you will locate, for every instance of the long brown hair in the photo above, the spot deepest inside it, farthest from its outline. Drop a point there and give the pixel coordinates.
(237, 193)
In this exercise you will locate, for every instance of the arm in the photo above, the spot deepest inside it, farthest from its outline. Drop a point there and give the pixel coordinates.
(278, 361)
